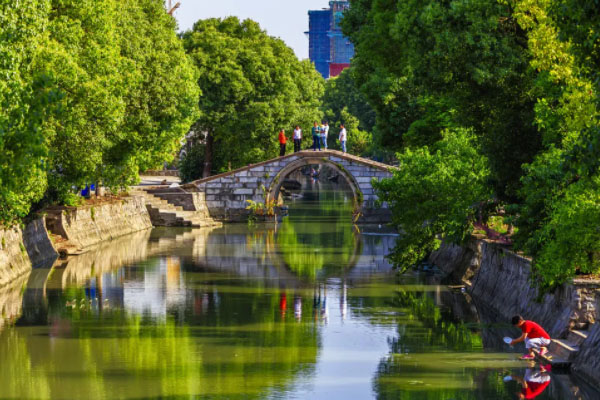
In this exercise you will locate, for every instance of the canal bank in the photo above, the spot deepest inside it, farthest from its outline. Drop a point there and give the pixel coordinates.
(71, 231)
(500, 279)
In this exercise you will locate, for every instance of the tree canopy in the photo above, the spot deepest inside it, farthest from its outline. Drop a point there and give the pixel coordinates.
(25, 98)
(522, 75)
(95, 91)
(344, 103)
(253, 85)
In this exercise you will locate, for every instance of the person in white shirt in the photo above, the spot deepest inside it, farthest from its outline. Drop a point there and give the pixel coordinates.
(297, 139)
(324, 134)
(343, 137)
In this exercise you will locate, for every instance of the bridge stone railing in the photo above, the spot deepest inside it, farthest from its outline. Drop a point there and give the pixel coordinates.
(227, 194)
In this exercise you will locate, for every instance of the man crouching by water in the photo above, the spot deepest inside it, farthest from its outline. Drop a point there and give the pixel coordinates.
(535, 337)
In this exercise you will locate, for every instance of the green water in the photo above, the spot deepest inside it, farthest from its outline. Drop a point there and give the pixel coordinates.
(307, 309)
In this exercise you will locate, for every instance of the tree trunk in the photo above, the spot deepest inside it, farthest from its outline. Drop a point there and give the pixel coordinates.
(208, 155)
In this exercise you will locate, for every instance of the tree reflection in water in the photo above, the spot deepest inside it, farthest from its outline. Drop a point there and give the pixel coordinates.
(317, 238)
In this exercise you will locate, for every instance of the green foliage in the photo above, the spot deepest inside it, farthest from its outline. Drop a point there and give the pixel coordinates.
(343, 102)
(252, 85)
(162, 96)
(428, 65)
(25, 98)
(523, 74)
(190, 167)
(96, 91)
(435, 193)
(557, 217)
(82, 57)
(261, 210)
(569, 239)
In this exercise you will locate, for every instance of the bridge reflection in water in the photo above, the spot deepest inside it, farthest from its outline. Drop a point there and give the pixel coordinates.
(309, 308)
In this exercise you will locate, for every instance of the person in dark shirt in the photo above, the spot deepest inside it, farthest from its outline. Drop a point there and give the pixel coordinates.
(534, 336)
(316, 136)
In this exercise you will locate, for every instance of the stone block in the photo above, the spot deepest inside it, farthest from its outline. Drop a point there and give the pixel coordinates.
(211, 197)
(213, 185)
(215, 204)
(258, 169)
(243, 191)
(363, 179)
(241, 174)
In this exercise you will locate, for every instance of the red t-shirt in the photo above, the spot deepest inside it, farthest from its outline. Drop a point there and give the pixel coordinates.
(533, 330)
(534, 389)
(282, 138)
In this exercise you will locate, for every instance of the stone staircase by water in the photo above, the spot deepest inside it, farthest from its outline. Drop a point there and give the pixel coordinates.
(165, 213)
(562, 352)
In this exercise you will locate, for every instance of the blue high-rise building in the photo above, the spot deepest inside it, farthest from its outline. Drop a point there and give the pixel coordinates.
(328, 48)
(319, 22)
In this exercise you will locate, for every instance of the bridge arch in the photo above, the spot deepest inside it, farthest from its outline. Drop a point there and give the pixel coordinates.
(277, 182)
(226, 195)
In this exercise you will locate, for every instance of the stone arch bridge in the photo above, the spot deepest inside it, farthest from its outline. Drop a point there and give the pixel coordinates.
(227, 194)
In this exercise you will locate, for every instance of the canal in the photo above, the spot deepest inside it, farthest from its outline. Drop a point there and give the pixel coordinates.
(306, 309)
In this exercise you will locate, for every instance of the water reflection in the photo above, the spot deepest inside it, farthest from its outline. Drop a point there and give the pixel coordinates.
(11, 301)
(309, 309)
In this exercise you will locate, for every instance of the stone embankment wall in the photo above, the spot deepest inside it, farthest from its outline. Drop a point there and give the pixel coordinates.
(14, 261)
(88, 225)
(23, 248)
(501, 280)
(587, 362)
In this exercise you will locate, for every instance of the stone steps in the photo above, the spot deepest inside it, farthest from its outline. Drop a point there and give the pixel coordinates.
(163, 213)
(561, 352)
(577, 337)
(563, 349)
(64, 247)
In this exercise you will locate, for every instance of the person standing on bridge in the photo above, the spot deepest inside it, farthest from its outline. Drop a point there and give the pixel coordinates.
(324, 134)
(282, 142)
(316, 136)
(297, 139)
(343, 137)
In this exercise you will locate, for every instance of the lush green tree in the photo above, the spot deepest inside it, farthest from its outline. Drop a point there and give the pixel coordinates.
(162, 95)
(523, 74)
(344, 103)
(129, 91)
(430, 65)
(436, 191)
(342, 92)
(253, 85)
(25, 96)
(557, 218)
(192, 163)
(83, 60)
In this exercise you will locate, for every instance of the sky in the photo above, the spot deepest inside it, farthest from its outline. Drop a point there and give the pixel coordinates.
(286, 19)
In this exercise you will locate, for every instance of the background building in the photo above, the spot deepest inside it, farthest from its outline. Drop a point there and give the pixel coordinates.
(328, 48)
